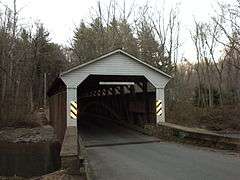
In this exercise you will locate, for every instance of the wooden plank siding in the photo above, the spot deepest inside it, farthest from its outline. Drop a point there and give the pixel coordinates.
(58, 116)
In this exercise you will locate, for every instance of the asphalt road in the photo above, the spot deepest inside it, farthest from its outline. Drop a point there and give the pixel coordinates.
(147, 160)
(167, 161)
(105, 134)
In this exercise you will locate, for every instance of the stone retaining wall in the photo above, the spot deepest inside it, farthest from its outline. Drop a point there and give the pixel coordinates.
(70, 160)
(193, 136)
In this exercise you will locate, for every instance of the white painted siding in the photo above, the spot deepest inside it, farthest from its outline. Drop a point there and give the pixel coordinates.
(160, 96)
(71, 96)
(116, 64)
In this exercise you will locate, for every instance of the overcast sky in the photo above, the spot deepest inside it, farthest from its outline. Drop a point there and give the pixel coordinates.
(61, 16)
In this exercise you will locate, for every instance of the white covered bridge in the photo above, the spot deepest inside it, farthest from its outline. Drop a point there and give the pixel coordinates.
(115, 87)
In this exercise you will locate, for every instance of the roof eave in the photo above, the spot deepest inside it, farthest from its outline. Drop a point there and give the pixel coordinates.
(111, 53)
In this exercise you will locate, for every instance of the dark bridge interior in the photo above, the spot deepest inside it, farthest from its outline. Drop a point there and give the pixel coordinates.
(107, 103)
(122, 99)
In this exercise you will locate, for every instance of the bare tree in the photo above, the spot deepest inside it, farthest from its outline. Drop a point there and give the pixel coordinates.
(212, 34)
(167, 32)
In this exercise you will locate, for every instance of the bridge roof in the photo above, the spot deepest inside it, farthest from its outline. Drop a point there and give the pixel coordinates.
(112, 53)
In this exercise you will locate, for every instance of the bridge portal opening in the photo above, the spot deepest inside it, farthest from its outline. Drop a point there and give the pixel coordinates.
(108, 99)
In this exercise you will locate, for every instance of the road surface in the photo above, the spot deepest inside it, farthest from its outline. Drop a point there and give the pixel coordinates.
(146, 159)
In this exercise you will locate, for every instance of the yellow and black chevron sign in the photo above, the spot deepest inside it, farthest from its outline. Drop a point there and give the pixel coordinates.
(73, 112)
(159, 107)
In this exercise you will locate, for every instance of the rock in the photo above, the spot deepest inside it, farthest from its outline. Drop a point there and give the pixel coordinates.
(37, 134)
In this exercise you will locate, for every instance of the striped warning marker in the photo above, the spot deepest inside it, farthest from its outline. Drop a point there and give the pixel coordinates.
(73, 112)
(159, 107)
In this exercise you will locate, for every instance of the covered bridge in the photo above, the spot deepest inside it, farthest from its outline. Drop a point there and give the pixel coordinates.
(116, 87)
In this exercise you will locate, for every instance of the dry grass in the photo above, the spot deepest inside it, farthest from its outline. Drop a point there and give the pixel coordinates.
(226, 118)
